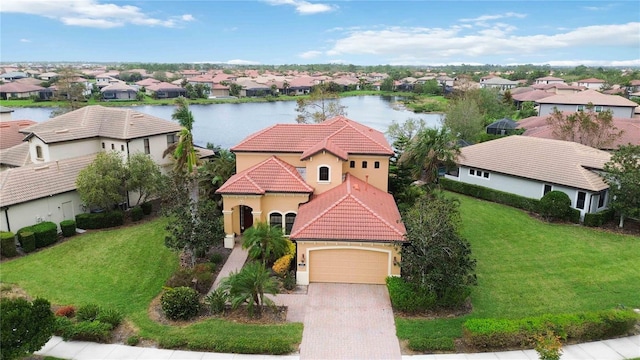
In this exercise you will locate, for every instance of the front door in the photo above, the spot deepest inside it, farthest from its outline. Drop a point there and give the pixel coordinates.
(67, 210)
(246, 218)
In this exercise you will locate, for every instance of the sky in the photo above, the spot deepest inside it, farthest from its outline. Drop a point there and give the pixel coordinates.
(273, 32)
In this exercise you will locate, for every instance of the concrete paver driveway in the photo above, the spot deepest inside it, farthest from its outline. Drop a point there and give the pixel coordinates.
(349, 321)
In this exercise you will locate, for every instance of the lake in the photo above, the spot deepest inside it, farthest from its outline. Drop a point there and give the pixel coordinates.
(227, 124)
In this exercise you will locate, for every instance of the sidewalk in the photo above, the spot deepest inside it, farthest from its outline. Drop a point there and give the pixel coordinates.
(234, 263)
(614, 349)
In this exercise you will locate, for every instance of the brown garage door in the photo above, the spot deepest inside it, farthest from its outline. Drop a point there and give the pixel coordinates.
(348, 266)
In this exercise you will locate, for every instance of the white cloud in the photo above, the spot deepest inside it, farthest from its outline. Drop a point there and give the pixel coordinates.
(90, 13)
(310, 54)
(574, 63)
(303, 7)
(485, 18)
(25, 40)
(242, 62)
(431, 45)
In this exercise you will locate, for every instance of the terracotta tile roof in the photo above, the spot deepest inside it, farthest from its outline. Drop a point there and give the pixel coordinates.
(163, 86)
(531, 95)
(554, 161)
(588, 96)
(10, 134)
(538, 127)
(46, 179)
(338, 135)
(100, 121)
(14, 87)
(352, 211)
(271, 175)
(118, 87)
(16, 155)
(591, 80)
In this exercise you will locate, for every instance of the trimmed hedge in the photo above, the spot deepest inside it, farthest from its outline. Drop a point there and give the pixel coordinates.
(68, 228)
(555, 205)
(407, 298)
(500, 197)
(432, 344)
(485, 193)
(485, 334)
(44, 233)
(8, 244)
(100, 220)
(598, 219)
(137, 213)
(27, 240)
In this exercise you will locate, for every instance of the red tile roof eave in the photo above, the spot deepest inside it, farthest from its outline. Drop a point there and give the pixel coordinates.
(263, 193)
(320, 150)
(349, 240)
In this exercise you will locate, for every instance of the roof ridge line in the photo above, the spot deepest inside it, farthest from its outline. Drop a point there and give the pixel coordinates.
(376, 214)
(303, 227)
(254, 135)
(284, 166)
(364, 134)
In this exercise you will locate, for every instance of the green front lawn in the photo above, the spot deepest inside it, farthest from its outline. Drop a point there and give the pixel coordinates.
(126, 268)
(528, 268)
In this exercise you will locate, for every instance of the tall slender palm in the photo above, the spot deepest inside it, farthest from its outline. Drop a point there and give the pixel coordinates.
(183, 151)
(428, 150)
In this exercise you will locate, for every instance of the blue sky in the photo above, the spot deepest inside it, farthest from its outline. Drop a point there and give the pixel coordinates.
(571, 33)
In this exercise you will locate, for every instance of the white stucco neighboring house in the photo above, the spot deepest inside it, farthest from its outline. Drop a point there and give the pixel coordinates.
(531, 167)
(619, 106)
(498, 83)
(591, 83)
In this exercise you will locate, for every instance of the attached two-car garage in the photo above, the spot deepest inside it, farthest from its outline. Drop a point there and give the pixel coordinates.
(346, 262)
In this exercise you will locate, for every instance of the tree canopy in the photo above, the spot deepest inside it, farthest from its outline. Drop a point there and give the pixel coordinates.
(429, 150)
(321, 105)
(591, 128)
(623, 176)
(102, 183)
(143, 176)
(26, 326)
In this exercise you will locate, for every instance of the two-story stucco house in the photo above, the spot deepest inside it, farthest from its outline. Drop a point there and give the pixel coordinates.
(531, 167)
(59, 148)
(325, 185)
(619, 106)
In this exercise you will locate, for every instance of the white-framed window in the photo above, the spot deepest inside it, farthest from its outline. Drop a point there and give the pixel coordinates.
(364, 164)
(352, 164)
(289, 219)
(172, 139)
(376, 164)
(324, 173)
(38, 151)
(479, 173)
(275, 219)
(582, 197)
(147, 148)
(599, 108)
(580, 108)
(547, 188)
(602, 196)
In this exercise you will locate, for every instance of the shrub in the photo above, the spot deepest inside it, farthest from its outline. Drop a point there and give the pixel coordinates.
(68, 227)
(574, 216)
(216, 300)
(84, 330)
(485, 193)
(289, 280)
(137, 214)
(291, 248)
(110, 316)
(204, 280)
(216, 258)
(100, 220)
(180, 303)
(88, 312)
(8, 244)
(598, 219)
(282, 265)
(26, 326)
(45, 233)
(27, 240)
(133, 340)
(66, 311)
(518, 333)
(407, 298)
(431, 344)
(183, 277)
(548, 346)
(147, 207)
(555, 205)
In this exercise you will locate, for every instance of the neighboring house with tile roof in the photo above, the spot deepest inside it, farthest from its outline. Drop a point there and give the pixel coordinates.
(531, 167)
(164, 90)
(619, 106)
(339, 170)
(549, 80)
(10, 134)
(15, 156)
(41, 192)
(119, 91)
(18, 91)
(498, 83)
(591, 83)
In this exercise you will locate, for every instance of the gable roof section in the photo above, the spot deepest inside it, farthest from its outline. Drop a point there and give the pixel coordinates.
(100, 121)
(554, 161)
(352, 211)
(10, 132)
(588, 96)
(46, 179)
(271, 175)
(16, 155)
(339, 135)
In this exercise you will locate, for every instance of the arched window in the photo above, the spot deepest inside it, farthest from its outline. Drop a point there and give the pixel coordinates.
(275, 219)
(289, 219)
(38, 151)
(323, 173)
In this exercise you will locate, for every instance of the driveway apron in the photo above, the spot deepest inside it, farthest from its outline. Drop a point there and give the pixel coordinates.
(349, 321)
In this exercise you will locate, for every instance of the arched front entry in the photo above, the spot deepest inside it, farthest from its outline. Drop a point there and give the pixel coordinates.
(246, 218)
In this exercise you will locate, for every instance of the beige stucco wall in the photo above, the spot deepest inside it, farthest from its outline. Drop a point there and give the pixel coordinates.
(262, 206)
(304, 247)
(47, 209)
(335, 165)
(247, 160)
(377, 177)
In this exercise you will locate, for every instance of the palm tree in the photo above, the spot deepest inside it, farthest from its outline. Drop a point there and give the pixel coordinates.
(264, 242)
(182, 114)
(183, 150)
(249, 286)
(428, 150)
(216, 172)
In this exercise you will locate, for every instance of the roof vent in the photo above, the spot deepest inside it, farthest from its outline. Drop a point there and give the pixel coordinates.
(41, 167)
(137, 115)
(61, 131)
